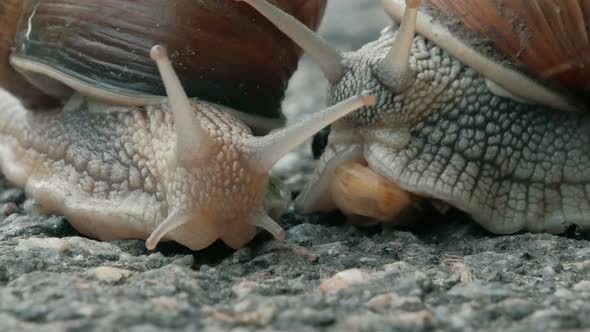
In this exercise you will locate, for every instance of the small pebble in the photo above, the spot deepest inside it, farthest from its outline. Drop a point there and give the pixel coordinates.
(397, 267)
(304, 232)
(251, 312)
(108, 274)
(582, 286)
(381, 301)
(244, 288)
(343, 279)
(548, 272)
(164, 303)
(578, 266)
(407, 287)
(514, 308)
(186, 260)
(291, 248)
(478, 289)
(316, 317)
(562, 292)
(56, 244)
(420, 319)
(330, 249)
(552, 319)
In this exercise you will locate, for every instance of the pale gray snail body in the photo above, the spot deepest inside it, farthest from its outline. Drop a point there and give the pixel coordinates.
(451, 125)
(166, 169)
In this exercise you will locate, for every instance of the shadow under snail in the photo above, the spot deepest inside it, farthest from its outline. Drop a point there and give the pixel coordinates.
(504, 137)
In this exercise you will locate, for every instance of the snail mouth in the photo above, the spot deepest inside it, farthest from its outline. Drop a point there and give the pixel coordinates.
(316, 197)
(344, 181)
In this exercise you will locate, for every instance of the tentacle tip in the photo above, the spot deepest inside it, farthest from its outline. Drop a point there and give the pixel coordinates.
(280, 235)
(277, 232)
(158, 53)
(263, 221)
(150, 244)
(367, 98)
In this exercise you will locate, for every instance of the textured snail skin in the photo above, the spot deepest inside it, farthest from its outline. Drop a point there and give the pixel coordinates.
(106, 173)
(512, 166)
(121, 175)
(444, 134)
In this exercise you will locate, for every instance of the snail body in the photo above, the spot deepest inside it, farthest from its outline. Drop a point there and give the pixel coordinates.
(452, 125)
(182, 170)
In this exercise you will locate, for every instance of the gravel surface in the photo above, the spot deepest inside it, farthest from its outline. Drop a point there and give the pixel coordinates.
(328, 275)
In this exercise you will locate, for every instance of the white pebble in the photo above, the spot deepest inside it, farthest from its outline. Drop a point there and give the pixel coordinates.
(108, 274)
(343, 279)
(54, 243)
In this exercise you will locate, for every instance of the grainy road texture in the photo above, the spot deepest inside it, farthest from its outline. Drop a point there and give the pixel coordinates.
(328, 276)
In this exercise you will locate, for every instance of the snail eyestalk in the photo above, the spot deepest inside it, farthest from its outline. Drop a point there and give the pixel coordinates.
(394, 70)
(192, 142)
(329, 58)
(267, 150)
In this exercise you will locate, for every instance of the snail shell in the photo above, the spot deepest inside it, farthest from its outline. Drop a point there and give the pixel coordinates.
(549, 39)
(223, 52)
(9, 78)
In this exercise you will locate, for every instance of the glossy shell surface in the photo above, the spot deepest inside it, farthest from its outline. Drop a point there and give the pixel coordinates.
(224, 52)
(9, 78)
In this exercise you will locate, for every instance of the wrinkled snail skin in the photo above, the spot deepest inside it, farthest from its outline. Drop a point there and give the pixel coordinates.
(441, 133)
(137, 174)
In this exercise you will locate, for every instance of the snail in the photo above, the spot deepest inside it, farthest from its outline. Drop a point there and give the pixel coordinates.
(453, 123)
(191, 173)
(170, 168)
(224, 53)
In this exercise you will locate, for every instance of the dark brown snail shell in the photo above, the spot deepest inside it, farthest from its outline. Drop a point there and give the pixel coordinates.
(222, 52)
(547, 39)
(9, 79)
